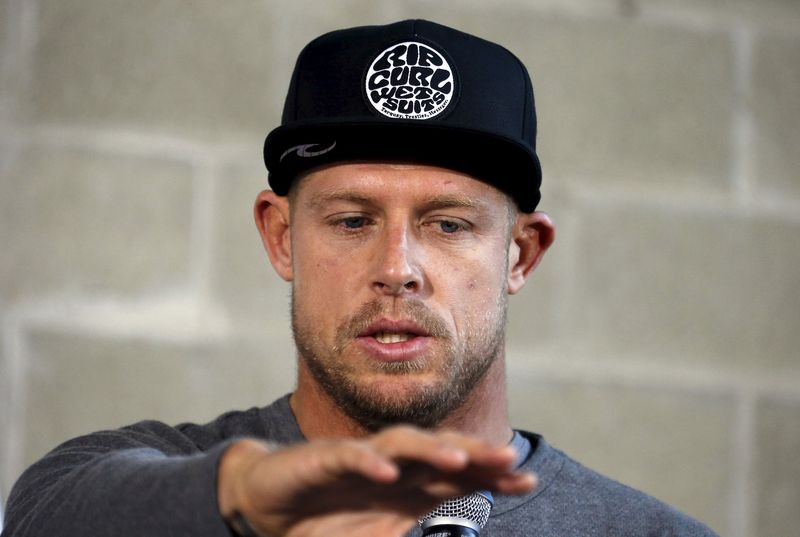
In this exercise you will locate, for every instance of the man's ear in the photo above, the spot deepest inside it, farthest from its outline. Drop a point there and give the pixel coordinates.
(532, 235)
(272, 219)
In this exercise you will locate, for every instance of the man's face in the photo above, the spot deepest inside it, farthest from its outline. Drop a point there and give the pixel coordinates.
(399, 287)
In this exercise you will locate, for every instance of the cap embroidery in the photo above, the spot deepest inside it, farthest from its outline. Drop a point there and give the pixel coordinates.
(305, 150)
(410, 80)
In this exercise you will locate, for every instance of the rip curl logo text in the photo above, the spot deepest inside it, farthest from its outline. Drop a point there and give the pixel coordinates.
(306, 151)
(410, 80)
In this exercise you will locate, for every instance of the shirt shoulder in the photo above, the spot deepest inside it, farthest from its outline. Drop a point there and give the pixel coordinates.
(274, 423)
(574, 499)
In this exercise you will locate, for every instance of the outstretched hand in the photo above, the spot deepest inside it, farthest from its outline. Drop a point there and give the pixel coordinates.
(378, 485)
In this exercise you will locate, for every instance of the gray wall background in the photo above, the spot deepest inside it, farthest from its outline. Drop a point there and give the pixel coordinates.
(658, 342)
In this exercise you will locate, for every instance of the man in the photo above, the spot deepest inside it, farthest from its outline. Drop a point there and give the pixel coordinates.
(404, 185)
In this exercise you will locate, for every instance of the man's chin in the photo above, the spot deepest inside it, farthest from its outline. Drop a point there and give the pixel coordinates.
(384, 400)
(400, 387)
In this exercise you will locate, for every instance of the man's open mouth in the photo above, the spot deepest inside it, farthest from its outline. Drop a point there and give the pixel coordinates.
(393, 337)
(388, 331)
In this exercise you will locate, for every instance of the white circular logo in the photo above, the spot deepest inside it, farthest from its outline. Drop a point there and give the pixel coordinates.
(410, 80)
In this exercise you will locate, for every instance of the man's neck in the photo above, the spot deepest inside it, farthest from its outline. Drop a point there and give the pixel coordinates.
(483, 414)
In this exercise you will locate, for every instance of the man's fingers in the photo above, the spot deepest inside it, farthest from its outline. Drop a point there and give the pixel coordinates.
(357, 457)
(481, 453)
(445, 486)
(512, 484)
(446, 464)
(517, 484)
(407, 454)
(444, 450)
(411, 444)
(440, 464)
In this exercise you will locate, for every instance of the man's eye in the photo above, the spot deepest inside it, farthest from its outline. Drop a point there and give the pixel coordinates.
(354, 222)
(449, 227)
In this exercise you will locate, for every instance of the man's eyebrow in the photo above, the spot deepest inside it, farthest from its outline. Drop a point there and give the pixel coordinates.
(453, 201)
(326, 196)
(443, 201)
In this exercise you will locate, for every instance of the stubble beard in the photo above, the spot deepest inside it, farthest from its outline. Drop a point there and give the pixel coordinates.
(459, 369)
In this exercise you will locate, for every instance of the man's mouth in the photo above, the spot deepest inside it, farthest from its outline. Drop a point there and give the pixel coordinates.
(390, 331)
(395, 340)
(393, 337)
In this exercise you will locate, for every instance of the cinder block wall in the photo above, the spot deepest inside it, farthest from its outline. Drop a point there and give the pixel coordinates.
(658, 342)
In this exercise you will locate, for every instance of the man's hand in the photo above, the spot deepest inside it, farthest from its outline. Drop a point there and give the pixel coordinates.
(378, 485)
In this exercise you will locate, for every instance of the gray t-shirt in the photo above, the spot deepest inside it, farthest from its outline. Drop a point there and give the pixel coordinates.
(156, 480)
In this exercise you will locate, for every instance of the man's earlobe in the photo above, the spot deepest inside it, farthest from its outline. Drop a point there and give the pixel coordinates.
(272, 219)
(532, 235)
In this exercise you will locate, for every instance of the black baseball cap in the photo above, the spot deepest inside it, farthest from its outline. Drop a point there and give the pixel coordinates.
(411, 91)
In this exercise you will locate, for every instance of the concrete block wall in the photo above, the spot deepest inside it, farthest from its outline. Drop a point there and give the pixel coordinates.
(657, 342)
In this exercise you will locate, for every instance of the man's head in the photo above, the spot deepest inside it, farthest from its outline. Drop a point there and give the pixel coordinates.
(402, 241)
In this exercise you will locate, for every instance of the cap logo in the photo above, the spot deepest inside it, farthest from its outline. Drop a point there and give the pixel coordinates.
(410, 80)
(307, 150)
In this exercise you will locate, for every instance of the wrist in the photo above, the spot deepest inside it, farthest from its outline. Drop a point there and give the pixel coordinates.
(232, 498)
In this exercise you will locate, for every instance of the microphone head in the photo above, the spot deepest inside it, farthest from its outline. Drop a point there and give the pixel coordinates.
(465, 515)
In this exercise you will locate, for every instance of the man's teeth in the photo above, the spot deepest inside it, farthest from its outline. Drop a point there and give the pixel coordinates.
(392, 337)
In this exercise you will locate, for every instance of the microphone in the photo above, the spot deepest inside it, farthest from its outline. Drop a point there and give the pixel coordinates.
(458, 517)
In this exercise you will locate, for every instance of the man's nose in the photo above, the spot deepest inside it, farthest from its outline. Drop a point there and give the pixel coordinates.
(398, 269)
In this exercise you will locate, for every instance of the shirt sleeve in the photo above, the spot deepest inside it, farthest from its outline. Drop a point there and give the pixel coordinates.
(149, 479)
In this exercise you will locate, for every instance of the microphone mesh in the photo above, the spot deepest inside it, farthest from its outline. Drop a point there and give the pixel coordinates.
(475, 508)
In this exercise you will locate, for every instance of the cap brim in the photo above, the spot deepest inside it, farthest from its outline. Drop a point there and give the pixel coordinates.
(506, 164)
